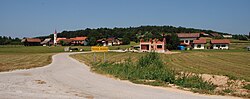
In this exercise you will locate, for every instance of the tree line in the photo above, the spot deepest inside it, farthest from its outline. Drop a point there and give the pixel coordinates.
(131, 33)
(4, 40)
(241, 37)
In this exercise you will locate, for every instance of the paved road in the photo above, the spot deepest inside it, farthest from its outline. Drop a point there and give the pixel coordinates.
(67, 78)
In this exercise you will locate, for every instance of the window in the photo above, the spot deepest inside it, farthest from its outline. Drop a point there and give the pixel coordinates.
(223, 45)
(159, 46)
(199, 46)
(218, 46)
(186, 41)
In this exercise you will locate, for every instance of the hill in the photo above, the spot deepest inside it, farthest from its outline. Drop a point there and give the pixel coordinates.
(131, 32)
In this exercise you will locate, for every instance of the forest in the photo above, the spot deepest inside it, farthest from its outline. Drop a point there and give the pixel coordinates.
(133, 33)
(4, 40)
(127, 34)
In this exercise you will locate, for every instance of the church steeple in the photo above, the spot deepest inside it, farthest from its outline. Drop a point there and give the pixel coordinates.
(55, 37)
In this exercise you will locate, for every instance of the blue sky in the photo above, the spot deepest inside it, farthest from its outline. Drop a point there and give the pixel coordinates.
(29, 18)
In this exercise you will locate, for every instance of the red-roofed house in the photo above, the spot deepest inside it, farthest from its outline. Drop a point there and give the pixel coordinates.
(109, 41)
(79, 40)
(153, 45)
(220, 44)
(199, 44)
(215, 35)
(31, 41)
(187, 39)
(72, 41)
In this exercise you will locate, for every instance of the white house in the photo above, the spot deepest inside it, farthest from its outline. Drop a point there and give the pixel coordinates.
(109, 41)
(220, 44)
(227, 36)
(199, 44)
(187, 39)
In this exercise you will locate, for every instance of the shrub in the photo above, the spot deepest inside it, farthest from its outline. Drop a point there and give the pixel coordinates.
(247, 87)
(149, 69)
(227, 90)
(194, 81)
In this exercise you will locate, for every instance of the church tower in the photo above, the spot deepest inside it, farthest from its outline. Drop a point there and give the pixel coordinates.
(55, 37)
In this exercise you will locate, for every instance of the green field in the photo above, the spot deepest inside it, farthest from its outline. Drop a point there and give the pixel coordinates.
(24, 57)
(20, 57)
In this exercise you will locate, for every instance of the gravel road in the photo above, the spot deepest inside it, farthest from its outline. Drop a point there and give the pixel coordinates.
(66, 78)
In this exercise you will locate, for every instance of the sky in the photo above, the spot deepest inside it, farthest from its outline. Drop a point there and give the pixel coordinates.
(31, 18)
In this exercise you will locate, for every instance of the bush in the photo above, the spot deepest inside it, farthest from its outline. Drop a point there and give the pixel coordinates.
(247, 87)
(194, 81)
(150, 68)
(227, 90)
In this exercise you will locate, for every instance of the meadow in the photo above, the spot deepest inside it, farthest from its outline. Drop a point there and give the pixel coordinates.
(14, 57)
(234, 63)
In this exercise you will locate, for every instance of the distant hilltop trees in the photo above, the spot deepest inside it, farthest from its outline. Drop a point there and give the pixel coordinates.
(132, 33)
(4, 40)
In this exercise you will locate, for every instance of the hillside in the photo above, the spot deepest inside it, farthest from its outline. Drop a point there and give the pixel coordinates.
(131, 32)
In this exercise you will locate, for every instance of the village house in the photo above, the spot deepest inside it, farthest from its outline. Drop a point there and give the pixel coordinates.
(72, 41)
(79, 41)
(153, 45)
(47, 42)
(63, 41)
(216, 35)
(227, 36)
(112, 41)
(199, 44)
(31, 42)
(220, 44)
(186, 39)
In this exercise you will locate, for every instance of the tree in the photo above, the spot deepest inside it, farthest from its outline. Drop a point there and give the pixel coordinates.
(172, 41)
(92, 41)
(125, 41)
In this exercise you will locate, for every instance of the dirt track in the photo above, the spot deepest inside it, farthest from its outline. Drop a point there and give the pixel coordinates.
(68, 78)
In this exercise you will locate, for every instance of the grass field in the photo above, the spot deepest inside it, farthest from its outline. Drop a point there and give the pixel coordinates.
(232, 64)
(24, 57)
(20, 57)
(23, 61)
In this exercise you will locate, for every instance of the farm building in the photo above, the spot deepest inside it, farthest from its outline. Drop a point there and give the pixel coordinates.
(72, 41)
(186, 39)
(47, 42)
(220, 44)
(227, 36)
(153, 45)
(216, 35)
(199, 44)
(31, 42)
(79, 41)
(112, 41)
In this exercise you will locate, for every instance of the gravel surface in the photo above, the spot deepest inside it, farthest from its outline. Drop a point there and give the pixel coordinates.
(66, 78)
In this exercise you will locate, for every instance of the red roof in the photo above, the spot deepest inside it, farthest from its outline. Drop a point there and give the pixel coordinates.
(79, 38)
(33, 40)
(66, 40)
(188, 35)
(58, 39)
(110, 39)
(200, 41)
(215, 34)
(184, 44)
(220, 41)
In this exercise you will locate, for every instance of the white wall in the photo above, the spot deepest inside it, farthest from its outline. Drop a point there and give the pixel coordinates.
(220, 46)
(110, 44)
(188, 39)
(202, 46)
